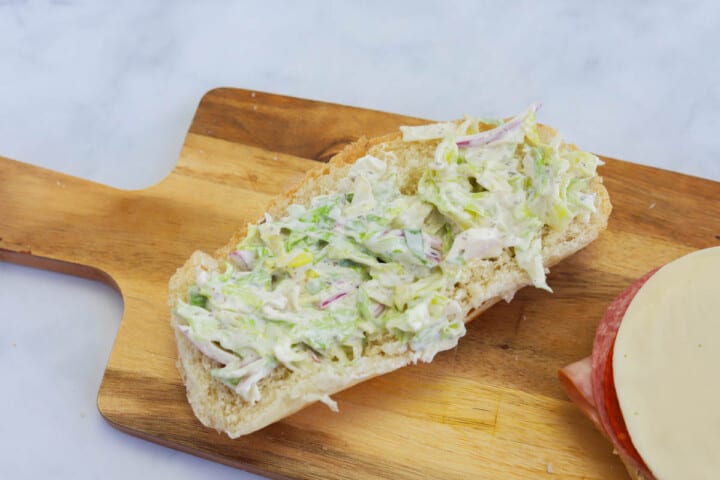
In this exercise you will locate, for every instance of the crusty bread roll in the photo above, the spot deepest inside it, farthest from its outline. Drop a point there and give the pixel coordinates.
(483, 283)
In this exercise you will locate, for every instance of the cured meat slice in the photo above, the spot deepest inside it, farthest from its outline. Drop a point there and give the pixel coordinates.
(589, 382)
(576, 380)
(602, 380)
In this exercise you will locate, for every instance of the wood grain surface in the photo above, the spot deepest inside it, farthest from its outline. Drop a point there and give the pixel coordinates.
(491, 408)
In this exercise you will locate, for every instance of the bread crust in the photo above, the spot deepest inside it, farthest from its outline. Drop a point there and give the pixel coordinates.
(284, 393)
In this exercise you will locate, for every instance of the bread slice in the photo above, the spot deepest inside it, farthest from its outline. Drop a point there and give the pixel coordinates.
(484, 283)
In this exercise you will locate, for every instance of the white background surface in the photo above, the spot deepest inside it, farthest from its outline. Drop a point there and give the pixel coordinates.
(106, 91)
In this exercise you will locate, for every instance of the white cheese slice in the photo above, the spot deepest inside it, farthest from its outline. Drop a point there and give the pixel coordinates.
(666, 365)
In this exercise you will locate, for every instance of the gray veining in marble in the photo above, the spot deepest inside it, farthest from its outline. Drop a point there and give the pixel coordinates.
(106, 91)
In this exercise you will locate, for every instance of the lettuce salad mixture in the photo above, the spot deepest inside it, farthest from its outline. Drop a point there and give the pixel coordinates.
(372, 265)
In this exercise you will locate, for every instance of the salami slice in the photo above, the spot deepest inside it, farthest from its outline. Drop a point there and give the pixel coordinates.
(603, 384)
(590, 383)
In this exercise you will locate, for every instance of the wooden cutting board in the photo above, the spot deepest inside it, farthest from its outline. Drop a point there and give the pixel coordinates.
(491, 408)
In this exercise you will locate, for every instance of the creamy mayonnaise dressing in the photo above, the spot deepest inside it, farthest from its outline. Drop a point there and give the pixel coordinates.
(370, 263)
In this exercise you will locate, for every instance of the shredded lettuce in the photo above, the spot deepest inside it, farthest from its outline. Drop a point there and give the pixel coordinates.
(374, 263)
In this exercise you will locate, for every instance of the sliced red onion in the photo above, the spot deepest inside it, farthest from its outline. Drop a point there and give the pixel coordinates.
(499, 132)
(243, 259)
(209, 349)
(434, 255)
(378, 310)
(433, 241)
(314, 356)
(434, 247)
(324, 304)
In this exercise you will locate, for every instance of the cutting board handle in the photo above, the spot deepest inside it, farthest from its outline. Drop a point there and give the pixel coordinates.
(50, 220)
(63, 223)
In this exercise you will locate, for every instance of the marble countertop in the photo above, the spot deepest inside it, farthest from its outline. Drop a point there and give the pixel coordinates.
(107, 90)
